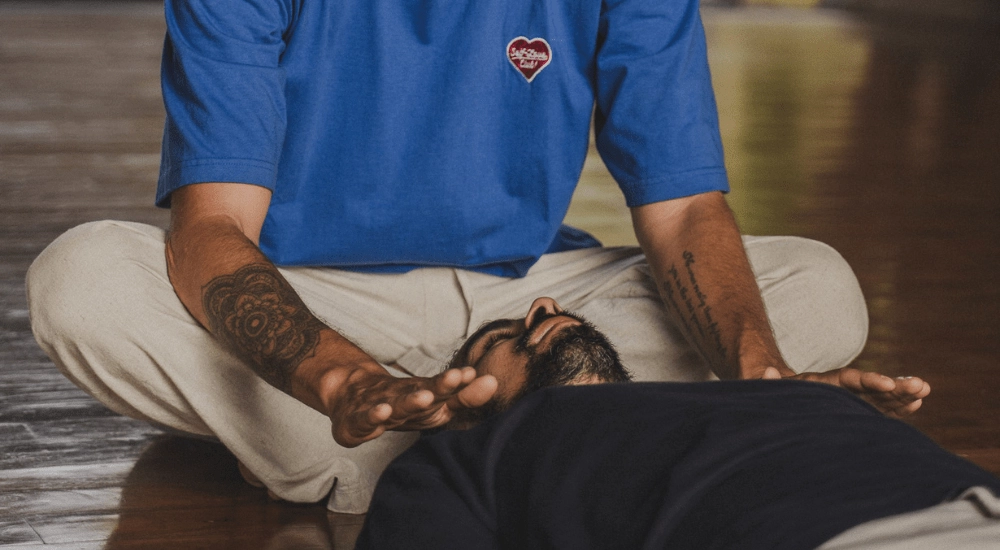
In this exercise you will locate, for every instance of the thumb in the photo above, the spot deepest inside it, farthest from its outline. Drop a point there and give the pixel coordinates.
(771, 373)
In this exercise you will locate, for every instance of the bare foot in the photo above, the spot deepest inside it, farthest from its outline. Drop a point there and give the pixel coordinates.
(895, 397)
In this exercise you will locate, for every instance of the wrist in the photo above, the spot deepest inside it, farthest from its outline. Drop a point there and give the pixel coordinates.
(755, 359)
(321, 380)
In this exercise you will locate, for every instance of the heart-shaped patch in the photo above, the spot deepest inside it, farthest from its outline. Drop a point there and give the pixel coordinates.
(529, 57)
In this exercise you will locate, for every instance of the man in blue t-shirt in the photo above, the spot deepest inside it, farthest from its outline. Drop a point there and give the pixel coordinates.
(355, 187)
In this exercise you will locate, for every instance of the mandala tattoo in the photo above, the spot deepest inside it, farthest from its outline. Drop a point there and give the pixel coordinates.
(260, 316)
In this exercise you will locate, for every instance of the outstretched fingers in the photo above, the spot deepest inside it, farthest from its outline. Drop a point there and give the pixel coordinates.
(914, 386)
(896, 397)
(375, 404)
(431, 395)
(476, 394)
(448, 382)
(408, 411)
(906, 398)
(461, 388)
(453, 390)
(362, 425)
(903, 410)
(861, 381)
(899, 397)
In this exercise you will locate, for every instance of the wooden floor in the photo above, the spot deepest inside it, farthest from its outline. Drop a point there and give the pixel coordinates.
(879, 139)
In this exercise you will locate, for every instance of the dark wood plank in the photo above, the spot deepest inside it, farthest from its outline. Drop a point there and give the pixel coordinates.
(17, 532)
(65, 477)
(75, 528)
(80, 545)
(75, 435)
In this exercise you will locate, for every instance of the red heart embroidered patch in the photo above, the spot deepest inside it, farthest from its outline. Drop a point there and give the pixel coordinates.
(529, 57)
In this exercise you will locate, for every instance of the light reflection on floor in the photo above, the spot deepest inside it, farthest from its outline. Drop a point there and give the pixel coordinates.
(785, 82)
(881, 138)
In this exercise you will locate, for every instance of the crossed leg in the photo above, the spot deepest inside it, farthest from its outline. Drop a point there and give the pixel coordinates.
(103, 309)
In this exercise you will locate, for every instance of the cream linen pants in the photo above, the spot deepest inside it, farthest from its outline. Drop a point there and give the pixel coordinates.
(103, 309)
(970, 522)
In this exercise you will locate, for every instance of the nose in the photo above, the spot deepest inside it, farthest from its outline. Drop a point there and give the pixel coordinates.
(545, 305)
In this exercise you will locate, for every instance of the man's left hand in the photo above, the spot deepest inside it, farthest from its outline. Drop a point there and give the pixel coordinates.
(895, 397)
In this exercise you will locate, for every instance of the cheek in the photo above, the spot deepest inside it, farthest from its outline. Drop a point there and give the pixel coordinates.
(505, 365)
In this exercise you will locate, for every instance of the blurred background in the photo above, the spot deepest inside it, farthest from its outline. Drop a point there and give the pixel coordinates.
(872, 125)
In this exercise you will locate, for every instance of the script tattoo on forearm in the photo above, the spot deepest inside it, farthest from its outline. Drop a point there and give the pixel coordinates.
(685, 298)
(261, 317)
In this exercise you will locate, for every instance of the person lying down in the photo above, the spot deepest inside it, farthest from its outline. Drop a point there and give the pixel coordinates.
(567, 454)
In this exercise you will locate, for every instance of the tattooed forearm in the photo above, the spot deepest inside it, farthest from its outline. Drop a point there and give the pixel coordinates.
(261, 317)
(710, 324)
(693, 310)
(669, 286)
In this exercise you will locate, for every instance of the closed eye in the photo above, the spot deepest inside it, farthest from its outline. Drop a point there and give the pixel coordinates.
(495, 337)
(487, 336)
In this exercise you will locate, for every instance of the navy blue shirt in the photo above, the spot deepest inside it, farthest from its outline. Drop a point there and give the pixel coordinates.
(717, 465)
(434, 133)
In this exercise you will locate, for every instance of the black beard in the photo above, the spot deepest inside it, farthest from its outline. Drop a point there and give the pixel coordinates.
(576, 353)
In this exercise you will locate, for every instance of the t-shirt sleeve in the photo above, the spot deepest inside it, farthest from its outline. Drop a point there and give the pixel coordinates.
(656, 121)
(223, 90)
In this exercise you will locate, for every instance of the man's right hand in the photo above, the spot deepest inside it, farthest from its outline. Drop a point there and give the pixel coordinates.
(366, 403)
(235, 292)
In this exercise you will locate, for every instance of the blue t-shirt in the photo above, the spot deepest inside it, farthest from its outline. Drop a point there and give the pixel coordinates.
(435, 133)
